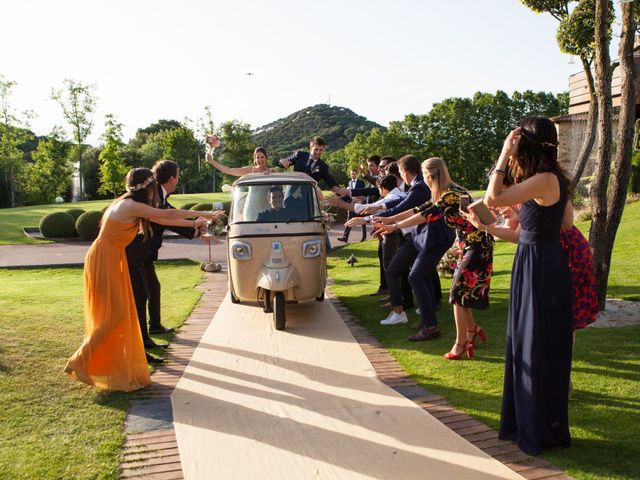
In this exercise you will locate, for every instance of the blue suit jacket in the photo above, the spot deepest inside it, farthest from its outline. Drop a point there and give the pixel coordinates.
(417, 195)
(300, 158)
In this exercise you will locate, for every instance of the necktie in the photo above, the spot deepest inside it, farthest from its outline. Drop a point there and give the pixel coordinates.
(312, 164)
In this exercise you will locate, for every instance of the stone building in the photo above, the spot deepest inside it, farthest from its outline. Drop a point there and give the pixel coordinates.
(572, 127)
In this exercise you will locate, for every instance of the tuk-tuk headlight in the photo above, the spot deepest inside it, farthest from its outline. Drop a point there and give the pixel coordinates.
(311, 249)
(241, 251)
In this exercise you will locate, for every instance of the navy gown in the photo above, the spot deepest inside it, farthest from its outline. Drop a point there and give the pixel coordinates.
(539, 337)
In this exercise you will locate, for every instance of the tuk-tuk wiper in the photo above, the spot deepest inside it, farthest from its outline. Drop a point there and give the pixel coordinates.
(312, 219)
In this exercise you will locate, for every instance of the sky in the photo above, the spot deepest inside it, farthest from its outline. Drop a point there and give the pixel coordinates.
(161, 59)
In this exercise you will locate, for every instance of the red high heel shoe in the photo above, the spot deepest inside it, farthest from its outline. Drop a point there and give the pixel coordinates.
(467, 347)
(477, 332)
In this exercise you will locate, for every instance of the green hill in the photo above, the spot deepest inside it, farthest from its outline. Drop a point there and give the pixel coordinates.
(337, 125)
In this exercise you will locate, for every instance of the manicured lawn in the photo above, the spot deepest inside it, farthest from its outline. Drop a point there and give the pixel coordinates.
(13, 220)
(605, 404)
(50, 426)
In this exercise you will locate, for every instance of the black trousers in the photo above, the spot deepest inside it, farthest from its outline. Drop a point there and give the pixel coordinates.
(146, 290)
(397, 274)
(383, 278)
(425, 282)
(347, 230)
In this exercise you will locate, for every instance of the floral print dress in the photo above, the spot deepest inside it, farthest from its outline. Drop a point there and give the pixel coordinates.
(472, 275)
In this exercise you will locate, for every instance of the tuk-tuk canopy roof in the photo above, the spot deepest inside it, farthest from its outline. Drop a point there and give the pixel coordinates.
(274, 178)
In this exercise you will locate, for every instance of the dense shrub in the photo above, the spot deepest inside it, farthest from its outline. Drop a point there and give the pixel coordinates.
(75, 212)
(58, 225)
(88, 225)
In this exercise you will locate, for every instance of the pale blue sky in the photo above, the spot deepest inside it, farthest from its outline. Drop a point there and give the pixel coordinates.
(167, 59)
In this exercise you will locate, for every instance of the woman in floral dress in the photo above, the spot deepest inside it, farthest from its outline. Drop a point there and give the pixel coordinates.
(472, 276)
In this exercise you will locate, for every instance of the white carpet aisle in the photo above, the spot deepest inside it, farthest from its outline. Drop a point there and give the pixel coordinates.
(256, 403)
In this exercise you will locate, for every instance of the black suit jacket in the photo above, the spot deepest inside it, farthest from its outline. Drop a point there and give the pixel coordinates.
(140, 251)
(359, 184)
(320, 170)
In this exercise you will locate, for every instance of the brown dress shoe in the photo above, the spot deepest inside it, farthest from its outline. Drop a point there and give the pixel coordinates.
(427, 333)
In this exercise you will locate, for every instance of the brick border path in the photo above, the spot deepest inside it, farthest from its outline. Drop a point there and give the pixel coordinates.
(154, 454)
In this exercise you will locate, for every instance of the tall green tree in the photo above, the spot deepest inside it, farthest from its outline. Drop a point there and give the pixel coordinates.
(576, 36)
(13, 133)
(112, 162)
(466, 132)
(237, 144)
(78, 104)
(180, 145)
(50, 174)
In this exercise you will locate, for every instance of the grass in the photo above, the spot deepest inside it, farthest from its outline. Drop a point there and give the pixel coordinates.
(13, 220)
(50, 426)
(605, 404)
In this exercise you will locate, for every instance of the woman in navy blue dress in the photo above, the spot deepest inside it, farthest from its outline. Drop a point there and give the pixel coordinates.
(538, 354)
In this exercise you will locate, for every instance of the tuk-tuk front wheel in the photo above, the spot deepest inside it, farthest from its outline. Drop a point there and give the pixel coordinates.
(279, 316)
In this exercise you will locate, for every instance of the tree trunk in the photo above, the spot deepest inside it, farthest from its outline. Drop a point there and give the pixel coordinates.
(622, 161)
(597, 233)
(12, 191)
(587, 144)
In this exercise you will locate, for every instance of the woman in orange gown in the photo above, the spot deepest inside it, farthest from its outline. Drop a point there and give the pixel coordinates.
(112, 354)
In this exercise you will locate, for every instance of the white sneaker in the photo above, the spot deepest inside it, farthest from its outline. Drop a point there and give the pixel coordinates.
(385, 320)
(395, 319)
(417, 311)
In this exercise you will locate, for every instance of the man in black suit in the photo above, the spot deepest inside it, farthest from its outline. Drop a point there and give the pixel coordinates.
(354, 182)
(276, 211)
(310, 162)
(141, 254)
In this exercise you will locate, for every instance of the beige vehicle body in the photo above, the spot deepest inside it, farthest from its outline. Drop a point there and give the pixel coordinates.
(275, 255)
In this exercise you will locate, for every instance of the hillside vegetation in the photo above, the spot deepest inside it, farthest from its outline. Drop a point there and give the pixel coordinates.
(337, 125)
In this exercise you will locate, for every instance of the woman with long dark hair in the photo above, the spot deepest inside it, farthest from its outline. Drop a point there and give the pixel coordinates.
(112, 354)
(260, 160)
(538, 353)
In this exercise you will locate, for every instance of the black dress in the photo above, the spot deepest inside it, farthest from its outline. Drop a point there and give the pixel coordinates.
(539, 336)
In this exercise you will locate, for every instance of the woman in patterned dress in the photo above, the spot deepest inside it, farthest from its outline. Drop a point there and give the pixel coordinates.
(472, 276)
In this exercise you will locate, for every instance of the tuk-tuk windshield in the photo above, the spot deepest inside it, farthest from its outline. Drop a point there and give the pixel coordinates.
(282, 202)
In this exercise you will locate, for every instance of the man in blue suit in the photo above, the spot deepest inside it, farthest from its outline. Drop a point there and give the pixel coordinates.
(398, 270)
(310, 162)
(354, 182)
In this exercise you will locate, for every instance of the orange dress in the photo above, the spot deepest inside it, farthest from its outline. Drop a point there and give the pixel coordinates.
(112, 354)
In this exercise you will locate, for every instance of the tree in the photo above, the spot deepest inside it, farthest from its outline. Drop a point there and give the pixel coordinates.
(204, 127)
(237, 144)
(50, 175)
(608, 192)
(78, 103)
(112, 165)
(575, 36)
(179, 144)
(12, 135)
